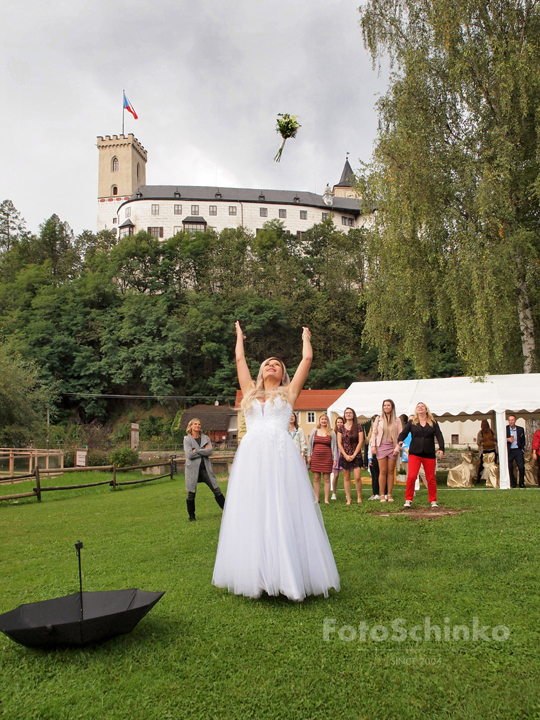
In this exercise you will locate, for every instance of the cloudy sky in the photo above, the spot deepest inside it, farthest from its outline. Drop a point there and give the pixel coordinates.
(207, 79)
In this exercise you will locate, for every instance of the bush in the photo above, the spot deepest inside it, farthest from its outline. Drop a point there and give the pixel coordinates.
(175, 432)
(123, 457)
(122, 433)
(98, 457)
(151, 427)
(69, 458)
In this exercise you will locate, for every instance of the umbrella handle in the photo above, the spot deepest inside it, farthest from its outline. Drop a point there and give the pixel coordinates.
(78, 546)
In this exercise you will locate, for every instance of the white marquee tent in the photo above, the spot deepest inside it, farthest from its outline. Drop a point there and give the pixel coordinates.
(460, 398)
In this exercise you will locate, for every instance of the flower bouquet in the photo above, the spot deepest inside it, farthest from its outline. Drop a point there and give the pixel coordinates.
(287, 127)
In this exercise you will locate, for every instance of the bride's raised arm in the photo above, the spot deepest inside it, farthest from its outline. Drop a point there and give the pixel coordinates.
(244, 376)
(297, 383)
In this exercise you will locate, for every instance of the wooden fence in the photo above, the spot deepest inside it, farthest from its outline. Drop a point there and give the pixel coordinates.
(15, 461)
(114, 483)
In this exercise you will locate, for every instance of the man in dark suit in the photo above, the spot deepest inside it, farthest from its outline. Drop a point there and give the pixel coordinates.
(515, 436)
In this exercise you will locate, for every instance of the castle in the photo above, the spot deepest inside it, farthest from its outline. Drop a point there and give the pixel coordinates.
(126, 204)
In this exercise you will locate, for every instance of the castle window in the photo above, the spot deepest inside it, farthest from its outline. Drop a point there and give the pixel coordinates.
(300, 235)
(138, 168)
(177, 209)
(194, 227)
(114, 221)
(114, 190)
(155, 209)
(325, 216)
(282, 213)
(344, 220)
(194, 209)
(156, 232)
(263, 212)
(303, 214)
(233, 210)
(128, 212)
(114, 164)
(212, 209)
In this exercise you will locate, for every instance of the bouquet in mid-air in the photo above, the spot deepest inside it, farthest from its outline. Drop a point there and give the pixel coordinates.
(287, 127)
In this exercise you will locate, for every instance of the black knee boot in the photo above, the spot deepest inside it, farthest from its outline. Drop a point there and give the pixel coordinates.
(220, 499)
(191, 509)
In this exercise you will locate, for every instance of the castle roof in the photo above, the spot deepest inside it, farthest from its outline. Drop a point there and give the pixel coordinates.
(203, 193)
(347, 176)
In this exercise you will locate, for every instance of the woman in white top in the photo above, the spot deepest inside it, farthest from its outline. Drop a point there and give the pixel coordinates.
(335, 470)
(297, 435)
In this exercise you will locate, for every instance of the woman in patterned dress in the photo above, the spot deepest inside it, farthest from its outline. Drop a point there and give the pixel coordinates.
(350, 441)
(322, 452)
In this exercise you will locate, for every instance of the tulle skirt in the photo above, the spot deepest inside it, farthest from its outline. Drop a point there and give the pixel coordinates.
(272, 536)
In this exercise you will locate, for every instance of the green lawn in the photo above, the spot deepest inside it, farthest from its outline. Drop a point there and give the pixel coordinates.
(203, 653)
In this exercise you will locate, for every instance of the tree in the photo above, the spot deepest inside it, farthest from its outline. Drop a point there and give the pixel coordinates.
(56, 244)
(24, 399)
(12, 225)
(456, 179)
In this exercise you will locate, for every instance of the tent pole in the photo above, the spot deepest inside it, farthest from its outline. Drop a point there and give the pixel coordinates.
(504, 477)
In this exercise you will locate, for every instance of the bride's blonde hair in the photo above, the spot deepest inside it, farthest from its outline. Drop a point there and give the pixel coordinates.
(258, 392)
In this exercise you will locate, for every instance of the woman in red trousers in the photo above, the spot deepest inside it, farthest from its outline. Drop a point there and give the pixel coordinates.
(424, 429)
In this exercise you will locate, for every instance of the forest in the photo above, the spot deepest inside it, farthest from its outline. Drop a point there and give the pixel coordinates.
(90, 315)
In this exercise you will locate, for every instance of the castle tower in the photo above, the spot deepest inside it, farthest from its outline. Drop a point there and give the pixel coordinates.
(122, 169)
(345, 187)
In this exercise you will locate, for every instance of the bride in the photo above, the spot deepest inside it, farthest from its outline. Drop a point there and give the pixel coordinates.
(272, 536)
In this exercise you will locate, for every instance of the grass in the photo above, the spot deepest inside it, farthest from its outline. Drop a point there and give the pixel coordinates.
(203, 653)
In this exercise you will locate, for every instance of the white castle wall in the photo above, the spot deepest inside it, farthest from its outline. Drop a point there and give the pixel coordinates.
(108, 212)
(247, 215)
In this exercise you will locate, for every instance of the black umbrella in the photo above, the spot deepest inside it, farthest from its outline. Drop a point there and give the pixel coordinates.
(80, 619)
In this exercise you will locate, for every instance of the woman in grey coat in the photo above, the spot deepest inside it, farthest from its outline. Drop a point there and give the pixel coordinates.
(198, 448)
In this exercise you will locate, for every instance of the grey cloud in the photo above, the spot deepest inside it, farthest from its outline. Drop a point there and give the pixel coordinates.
(207, 79)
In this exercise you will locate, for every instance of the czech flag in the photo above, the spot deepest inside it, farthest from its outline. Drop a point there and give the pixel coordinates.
(129, 107)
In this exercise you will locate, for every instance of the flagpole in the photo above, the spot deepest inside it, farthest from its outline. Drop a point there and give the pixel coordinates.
(123, 93)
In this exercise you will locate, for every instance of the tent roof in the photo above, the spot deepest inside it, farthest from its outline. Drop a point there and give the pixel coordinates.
(459, 396)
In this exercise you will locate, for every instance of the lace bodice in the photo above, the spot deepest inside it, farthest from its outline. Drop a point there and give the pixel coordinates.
(269, 416)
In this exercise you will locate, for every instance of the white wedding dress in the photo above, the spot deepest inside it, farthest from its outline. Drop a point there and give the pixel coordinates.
(272, 535)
